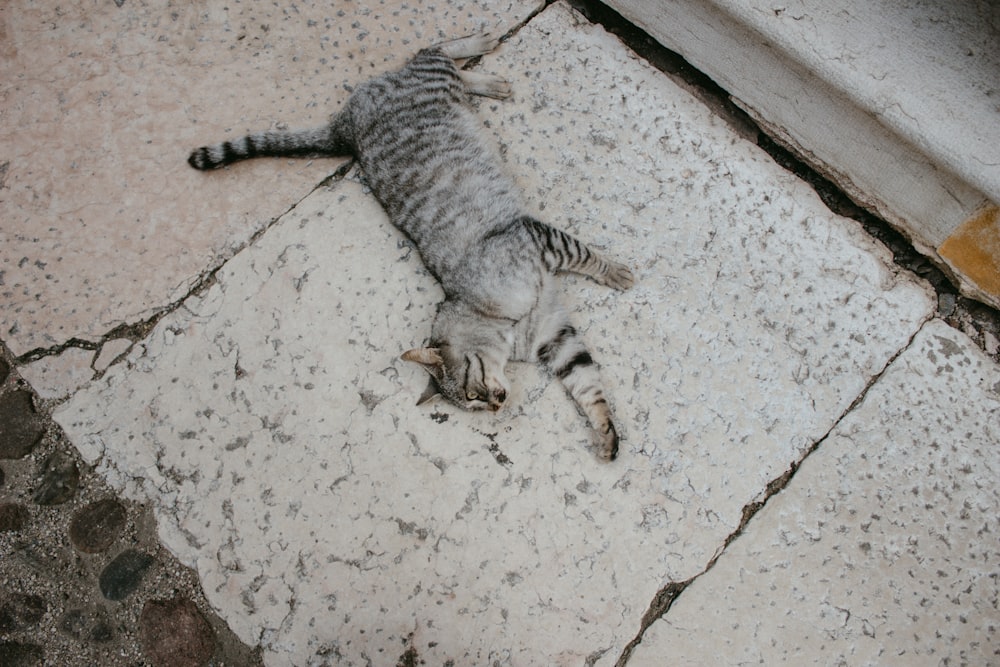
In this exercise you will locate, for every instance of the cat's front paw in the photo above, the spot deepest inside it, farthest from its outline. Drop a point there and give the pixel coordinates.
(617, 276)
(609, 444)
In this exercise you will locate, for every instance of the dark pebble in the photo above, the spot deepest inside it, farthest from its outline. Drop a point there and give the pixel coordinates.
(97, 526)
(2, 476)
(173, 633)
(946, 304)
(18, 611)
(12, 517)
(86, 625)
(16, 654)
(60, 479)
(20, 430)
(122, 575)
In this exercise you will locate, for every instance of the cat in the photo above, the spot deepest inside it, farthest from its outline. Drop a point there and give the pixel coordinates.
(420, 149)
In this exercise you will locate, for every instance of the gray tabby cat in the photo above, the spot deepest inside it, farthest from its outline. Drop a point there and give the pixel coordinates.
(420, 149)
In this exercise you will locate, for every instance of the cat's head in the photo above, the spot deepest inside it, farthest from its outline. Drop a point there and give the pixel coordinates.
(473, 380)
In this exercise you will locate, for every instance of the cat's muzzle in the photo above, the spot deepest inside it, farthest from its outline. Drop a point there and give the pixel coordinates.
(497, 400)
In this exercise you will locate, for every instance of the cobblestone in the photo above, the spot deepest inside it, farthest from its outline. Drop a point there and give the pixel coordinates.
(20, 429)
(85, 580)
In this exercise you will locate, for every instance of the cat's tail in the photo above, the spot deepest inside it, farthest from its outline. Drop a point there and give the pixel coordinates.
(327, 141)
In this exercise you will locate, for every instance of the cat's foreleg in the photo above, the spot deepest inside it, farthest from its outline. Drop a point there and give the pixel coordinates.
(564, 354)
(563, 252)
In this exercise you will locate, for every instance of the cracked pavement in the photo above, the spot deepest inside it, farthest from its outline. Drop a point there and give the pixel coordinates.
(224, 350)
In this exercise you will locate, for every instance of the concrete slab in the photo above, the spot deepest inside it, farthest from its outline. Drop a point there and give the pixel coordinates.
(104, 224)
(270, 423)
(58, 376)
(882, 549)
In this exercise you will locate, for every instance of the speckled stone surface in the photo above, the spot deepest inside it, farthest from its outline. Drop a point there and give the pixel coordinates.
(58, 376)
(883, 548)
(104, 223)
(272, 427)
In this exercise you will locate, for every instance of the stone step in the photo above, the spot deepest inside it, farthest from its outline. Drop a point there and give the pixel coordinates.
(895, 102)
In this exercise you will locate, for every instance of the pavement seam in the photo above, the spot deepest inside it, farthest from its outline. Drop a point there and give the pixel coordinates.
(138, 330)
(664, 599)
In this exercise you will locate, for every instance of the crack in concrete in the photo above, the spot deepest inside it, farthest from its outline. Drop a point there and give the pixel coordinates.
(666, 596)
(137, 331)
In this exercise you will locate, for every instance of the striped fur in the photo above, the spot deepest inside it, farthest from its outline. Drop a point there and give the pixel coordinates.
(421, 151)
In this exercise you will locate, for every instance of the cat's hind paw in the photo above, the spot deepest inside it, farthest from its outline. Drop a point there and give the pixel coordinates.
(471, 46)
(487, 85)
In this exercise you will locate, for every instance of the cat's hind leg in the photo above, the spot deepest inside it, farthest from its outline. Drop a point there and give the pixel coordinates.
(469, 47)
(487, 85)
(563, 252)
(477, 83)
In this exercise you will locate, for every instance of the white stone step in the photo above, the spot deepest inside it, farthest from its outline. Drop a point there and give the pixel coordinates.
(898, 103)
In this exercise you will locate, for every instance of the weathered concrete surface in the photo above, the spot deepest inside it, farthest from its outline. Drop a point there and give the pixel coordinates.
(271, 425)
(103, 221)
(882, 549)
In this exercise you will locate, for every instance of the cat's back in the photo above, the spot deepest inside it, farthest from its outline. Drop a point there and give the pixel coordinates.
(425, 88)
(422, 151)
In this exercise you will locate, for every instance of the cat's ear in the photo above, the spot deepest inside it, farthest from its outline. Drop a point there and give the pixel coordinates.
(429, 358)
(430, 392)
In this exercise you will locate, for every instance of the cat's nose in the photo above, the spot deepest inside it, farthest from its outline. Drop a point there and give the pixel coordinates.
(497, 400)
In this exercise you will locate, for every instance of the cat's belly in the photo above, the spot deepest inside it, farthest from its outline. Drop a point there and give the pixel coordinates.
(499, 295)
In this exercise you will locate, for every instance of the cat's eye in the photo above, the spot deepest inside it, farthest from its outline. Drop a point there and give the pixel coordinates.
(472, 396)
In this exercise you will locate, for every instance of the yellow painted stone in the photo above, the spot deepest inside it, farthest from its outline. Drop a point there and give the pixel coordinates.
(974, 250)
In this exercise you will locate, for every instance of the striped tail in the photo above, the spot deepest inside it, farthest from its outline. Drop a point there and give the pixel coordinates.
(327, 141)
(565, 355)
